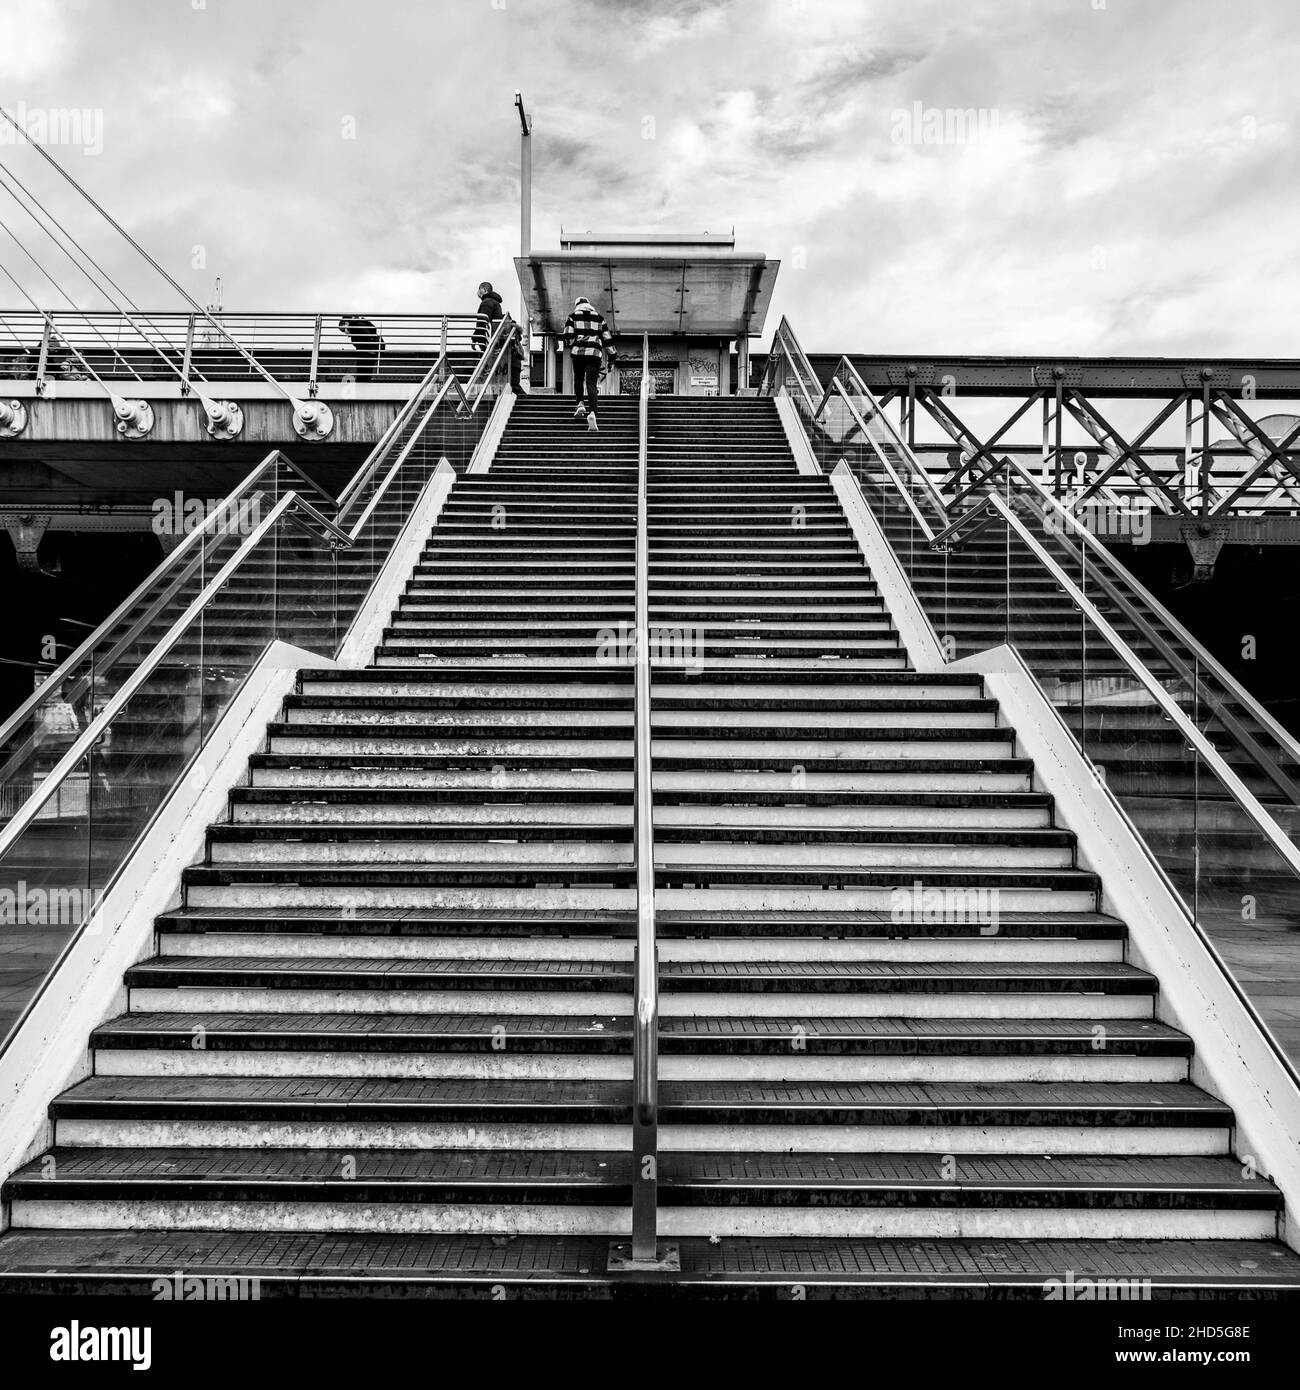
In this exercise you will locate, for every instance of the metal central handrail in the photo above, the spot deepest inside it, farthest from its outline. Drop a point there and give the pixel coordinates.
(645, 1022)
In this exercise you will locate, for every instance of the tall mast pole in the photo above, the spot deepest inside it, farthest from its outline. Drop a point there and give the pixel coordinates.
(525, 197)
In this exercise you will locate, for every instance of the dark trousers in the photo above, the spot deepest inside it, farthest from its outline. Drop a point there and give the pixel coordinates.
(586, 373)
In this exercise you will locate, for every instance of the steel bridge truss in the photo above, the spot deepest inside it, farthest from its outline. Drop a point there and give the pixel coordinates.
(1204, 490)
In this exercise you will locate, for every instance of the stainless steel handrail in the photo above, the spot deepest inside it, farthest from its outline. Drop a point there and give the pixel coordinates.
(159, 586)
(376, 456)
(1254, 809)
(177, 558)
(291, 504)
(1122, 576)
(861, 388)
(1242, 794)
(980, 514)
(803, 369)
(852, 480)
(1206, 940)
(438, 379)
(145, 333)
(91, 734)
(405, 452)
(1110, 576)
(173, 561)
(402, 454)
(501, 343)
(336, 537)
(1204, 657)
(885, 463)
(645, 1023)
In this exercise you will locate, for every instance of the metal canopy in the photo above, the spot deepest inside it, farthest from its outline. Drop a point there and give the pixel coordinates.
(722, 296)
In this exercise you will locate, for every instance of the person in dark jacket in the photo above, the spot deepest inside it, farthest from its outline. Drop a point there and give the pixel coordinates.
(591, 348)
(490, 314)
(364, 337)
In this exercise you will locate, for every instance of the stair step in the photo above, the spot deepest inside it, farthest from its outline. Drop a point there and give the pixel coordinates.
(1037, 1105)
(77, 1262)
(679, 1036)
(354, 973)
(1132, 1184)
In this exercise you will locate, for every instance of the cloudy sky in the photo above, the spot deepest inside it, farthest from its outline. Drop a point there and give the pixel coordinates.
(1128, 185)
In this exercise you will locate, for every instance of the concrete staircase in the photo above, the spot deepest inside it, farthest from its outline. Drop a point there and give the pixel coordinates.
(384, 1042)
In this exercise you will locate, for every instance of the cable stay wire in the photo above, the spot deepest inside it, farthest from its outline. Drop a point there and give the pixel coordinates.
(6, 175)
(175, 284)
(44, 314)
(72, 304)
(6, 172)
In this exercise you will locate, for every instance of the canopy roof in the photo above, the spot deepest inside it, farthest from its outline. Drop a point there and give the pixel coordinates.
(718, 294)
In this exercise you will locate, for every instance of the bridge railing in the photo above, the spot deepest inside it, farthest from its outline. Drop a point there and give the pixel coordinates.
(164, 346)
(90, 758)
(1206, 776)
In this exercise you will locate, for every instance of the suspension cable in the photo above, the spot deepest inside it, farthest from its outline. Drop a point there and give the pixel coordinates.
(50, 326)
(58, 287)
(8, 174)
(179, 288)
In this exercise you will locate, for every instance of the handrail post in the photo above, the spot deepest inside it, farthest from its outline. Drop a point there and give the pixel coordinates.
(44, 357)
(187, 361)
(313, 372)
(645, 1251)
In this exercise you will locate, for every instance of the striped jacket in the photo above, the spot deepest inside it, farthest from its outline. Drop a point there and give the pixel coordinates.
(586, 333)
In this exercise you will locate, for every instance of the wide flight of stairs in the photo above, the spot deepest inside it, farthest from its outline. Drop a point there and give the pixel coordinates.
(384, 1043)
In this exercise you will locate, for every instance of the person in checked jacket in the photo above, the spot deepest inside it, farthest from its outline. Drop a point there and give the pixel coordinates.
(591, 346)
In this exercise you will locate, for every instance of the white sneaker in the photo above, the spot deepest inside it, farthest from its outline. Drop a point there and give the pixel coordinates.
(580, 413)
(592, 426)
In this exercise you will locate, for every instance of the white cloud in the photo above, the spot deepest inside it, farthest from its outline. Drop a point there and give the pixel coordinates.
(36, 39)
